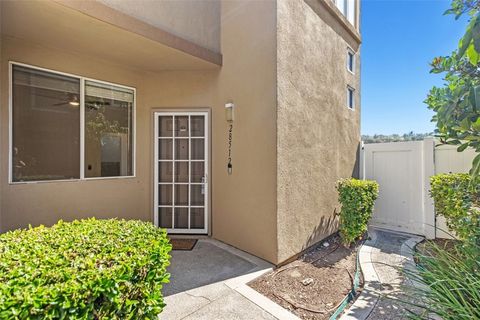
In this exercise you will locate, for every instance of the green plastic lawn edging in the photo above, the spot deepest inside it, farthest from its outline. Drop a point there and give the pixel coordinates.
(356, 284)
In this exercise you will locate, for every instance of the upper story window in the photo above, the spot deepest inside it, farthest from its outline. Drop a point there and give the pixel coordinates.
(350, 60)
(350, 98)
(347, 7)
(67, 127)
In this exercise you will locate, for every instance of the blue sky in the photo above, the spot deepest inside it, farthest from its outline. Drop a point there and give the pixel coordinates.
(400, 38)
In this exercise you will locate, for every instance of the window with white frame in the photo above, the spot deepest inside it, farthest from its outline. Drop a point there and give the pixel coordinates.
(347, 8)
(350, 60)
(350, 97)
(68, 127)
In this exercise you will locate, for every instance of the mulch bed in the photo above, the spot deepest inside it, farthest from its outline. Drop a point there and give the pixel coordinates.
(315, 284)
(425, 247)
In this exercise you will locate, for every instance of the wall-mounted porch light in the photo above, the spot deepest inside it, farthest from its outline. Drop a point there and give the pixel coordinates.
(229, 111)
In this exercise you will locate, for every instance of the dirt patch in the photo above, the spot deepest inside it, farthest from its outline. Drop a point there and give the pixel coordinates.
(426, 247)
(312, 286)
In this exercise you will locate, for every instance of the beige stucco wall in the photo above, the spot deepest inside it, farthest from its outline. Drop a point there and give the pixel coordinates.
(193, 20)
(243, 204)
(318, 135)
(47, 202)
(284, 68)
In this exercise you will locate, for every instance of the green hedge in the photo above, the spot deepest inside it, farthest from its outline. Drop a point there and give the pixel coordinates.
(457, 199)
(357, 198)
(88, 269)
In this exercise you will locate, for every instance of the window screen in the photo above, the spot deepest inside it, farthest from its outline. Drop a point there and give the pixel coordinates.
(46, 125)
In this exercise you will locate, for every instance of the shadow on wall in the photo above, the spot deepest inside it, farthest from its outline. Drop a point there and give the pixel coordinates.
(356, 166)
(329, 225)
(324, 229)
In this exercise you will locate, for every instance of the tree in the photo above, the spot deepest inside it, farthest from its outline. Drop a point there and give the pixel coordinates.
(457, 103)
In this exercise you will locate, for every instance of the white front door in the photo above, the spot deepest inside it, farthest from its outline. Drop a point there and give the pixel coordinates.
(181, 171)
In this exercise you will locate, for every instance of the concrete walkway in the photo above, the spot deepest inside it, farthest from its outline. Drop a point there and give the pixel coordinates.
(382, 258)
(209, 283)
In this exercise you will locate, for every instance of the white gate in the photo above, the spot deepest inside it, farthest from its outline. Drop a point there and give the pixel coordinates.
(402, 170)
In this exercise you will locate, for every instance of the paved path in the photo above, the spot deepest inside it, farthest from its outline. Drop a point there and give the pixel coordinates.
(382, 258)
(209, 283)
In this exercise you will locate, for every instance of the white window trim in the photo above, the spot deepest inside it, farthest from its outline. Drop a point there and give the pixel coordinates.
(82, 125)
(354, 64)
(349, 88)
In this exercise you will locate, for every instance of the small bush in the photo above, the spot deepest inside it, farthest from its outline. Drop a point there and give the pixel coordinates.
(457, 199)
(357, 198)
(88, 269)
(446, 283)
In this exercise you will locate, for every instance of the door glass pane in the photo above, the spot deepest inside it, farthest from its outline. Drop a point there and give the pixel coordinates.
(181, 126)
(198, 171)
(197, 219)
(181, 195)
(165, 194)
(181, 149)
(198, 126)
(181, 218)
(108, 130)
(165, 172)
(165, 215)
(197, 197)
(165, 149)
(181, 171)
(46, 125)
(165, 126)
(198, 149)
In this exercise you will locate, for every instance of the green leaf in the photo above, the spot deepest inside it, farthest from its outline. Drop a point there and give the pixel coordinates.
(472, 55)
(462, 147)
(465, 124)
(465, 40)
(476, 125)
(475, 171)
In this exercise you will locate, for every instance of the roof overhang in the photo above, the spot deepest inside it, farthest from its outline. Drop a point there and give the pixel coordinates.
(96, 30)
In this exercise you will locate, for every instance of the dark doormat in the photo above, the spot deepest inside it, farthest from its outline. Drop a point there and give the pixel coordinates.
(183, 244)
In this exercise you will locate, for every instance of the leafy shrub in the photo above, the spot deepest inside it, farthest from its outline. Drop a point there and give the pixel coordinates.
(446, 282)
(357, 198)
(87, 269)
(457, 199)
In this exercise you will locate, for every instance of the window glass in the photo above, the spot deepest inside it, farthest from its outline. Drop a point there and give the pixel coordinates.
(350, 98)
(347, 8)
(351, 11)
(350, 61)
(108, 130)
(46, 125)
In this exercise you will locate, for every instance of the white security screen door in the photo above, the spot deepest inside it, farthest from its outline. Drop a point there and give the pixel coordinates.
(181, 171)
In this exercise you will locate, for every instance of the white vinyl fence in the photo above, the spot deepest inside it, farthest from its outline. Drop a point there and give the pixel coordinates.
(403, 171)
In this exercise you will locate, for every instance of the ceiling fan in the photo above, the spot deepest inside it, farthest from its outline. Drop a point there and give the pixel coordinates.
(73, 101)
